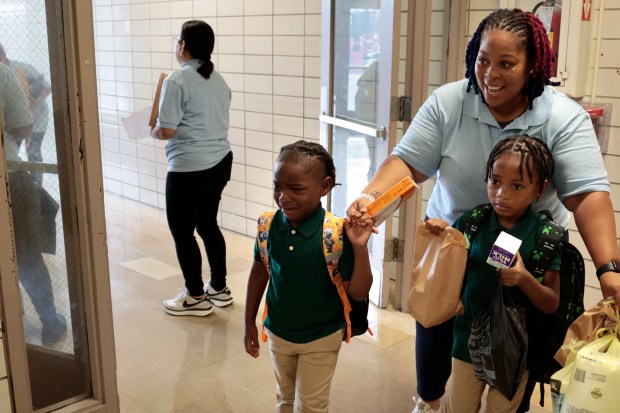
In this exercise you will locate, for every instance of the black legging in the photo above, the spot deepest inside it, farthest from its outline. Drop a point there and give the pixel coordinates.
(192, 201)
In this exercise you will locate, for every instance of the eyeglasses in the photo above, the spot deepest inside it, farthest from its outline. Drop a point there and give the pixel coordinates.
(175, 41)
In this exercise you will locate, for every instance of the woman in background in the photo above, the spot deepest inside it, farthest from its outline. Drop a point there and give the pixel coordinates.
(193, 118)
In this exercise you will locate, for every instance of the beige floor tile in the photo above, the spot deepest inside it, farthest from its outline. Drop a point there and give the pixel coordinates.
(198, 364)
(153, 268)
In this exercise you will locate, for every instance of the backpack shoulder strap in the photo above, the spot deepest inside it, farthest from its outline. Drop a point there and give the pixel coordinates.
(475, 218)
(547, 241)
(333, 242)
(263, 224)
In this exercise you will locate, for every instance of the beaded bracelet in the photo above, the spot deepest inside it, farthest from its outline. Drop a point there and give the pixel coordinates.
(369, 197)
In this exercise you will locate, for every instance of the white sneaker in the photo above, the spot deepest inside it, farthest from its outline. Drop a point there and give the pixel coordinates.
(218, 298)
(184, 304)
(422, 407)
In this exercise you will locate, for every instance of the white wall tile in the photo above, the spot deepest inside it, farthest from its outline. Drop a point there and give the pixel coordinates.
(236, 119)
(238, 101)
(235, 189)
(312, 67)
(230, 7)
(288, 6)
(256, 102)
(259, 177)
(232, 26)
(159, 11)
(258, 64)
(258, 84)
(236, 136)
(259, 140)
(205, 8)
(230, 44)
(254, 209)
(232, 205)
(258, 25)
(258, 7)
(288, 25)
(312, 87)
(258, 158)
(288, 65)
(312, 108)
(313, 6)
(258, 121)
(288, 105)
(258, 45)
(231, 63)
(288, 86)
(288, 125)
(139, 11)
(238, 171)
(288, 45)
(313, 24)
(235, 81)
(259, 194)
(311, 129)
(181, 9)
(233, 222)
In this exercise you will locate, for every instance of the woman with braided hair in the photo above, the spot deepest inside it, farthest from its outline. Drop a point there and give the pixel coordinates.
(193, 118)
(506, 91)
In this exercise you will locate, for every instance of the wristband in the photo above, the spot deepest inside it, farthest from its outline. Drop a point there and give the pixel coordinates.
(610, 266)
(369, 197)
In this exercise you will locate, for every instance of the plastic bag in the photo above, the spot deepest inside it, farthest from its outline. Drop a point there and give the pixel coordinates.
(437, 276)
(595, 378)
(585, 327)
(498, 344)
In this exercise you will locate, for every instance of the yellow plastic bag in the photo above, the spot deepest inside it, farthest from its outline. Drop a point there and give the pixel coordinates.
(437, 276)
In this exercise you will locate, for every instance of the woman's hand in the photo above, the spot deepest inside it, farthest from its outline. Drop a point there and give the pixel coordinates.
(436, 225)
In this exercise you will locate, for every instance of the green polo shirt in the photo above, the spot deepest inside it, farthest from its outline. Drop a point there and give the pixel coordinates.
(481, 278)
(303, 302)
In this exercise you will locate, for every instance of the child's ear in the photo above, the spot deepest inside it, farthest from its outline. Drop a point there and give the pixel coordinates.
(544, 188)
(326, 185)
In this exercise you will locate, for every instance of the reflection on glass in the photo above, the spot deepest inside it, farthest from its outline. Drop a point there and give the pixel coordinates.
(53, 315)
(356, 75)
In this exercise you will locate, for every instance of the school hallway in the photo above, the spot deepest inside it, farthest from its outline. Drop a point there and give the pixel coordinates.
(198, 364)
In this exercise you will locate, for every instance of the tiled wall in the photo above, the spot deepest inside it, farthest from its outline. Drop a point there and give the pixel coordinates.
(269, 53)
(267, 50)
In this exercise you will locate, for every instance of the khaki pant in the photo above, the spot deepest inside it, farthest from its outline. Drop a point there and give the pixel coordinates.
(464, 392)
(304, 372)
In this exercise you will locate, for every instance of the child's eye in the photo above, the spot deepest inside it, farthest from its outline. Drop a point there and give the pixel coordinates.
(517, 186)
(493, 181)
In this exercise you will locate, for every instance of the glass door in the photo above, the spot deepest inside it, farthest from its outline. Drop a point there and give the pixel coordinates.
(357, 84)
(56, 318)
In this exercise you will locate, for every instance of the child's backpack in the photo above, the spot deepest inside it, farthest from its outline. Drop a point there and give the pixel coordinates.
(355, 312)
(550, 330)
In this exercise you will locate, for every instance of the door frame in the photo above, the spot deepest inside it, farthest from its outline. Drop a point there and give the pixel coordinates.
(71, 21)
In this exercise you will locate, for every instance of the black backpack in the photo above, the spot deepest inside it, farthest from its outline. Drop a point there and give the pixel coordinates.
(548, 332)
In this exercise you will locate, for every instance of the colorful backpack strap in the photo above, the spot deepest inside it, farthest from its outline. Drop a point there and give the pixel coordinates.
(264, 223)
(333, 243)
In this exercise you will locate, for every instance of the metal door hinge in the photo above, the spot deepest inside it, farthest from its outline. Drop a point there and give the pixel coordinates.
(400, 109)
(394, 250)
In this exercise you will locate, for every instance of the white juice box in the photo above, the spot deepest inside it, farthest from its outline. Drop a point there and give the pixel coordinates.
(504, 251)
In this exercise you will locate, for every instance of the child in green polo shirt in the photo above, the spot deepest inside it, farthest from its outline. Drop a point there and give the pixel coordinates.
(517, 173)
(305, 322)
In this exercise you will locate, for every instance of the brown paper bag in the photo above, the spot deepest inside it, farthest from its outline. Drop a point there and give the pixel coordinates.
(437, 276)
(583, 330)
(155, 110)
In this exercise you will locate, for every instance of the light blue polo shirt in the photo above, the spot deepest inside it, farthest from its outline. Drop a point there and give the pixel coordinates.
(453, 134)
(197, 108)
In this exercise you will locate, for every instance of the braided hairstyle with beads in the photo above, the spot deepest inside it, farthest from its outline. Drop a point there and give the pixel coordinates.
(533, 37)
(311, 155)
(534, 154)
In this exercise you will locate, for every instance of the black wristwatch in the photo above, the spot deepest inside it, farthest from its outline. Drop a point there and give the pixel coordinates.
(610, 266)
